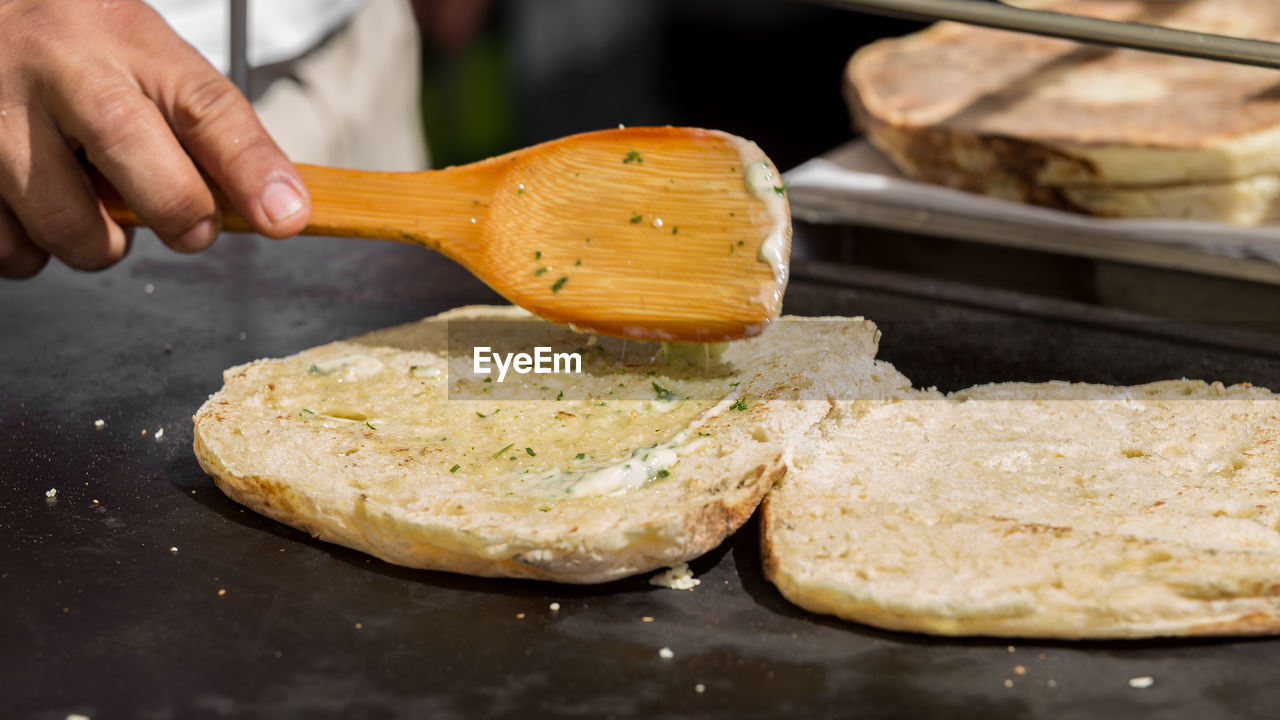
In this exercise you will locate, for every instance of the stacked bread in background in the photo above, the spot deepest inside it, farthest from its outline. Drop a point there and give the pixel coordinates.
(1103, 131)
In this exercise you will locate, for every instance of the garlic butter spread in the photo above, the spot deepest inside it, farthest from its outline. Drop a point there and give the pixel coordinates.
(621, 425)
(764, 182)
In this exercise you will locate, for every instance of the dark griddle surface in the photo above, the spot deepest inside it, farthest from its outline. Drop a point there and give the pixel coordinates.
(100, 617)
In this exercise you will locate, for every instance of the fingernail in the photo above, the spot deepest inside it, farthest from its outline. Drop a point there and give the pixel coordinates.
(199, 237)
(280, 201)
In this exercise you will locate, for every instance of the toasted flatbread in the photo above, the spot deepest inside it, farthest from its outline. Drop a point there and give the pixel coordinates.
(390, 444)
(1083, 128)
(1051, 510)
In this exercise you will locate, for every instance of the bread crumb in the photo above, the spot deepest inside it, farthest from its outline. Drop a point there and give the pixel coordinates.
(519, 616)
(676, 577)
(1008, 683)
(144, 432)
(159, 434)
(646, 618)
(699, 688)
(148, 288)
(555, 607)
(222, 592)
(359, 626)
(77, 716)
(173, 548)
(666, 654)
(51, 493)
(1142, 683)
(1019, 670)
(1051, 682)
(95, 502)
(99, 423)
(1011, 648)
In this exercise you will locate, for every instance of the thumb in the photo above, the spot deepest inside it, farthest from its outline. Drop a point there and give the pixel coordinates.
(219, 128)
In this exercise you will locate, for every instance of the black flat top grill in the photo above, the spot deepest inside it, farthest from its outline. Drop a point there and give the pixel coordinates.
(139, 590)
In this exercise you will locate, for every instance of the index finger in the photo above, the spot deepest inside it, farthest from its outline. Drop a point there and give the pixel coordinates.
(218, 126)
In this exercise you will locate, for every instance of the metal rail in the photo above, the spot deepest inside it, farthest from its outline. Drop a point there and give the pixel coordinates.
(1074, 27)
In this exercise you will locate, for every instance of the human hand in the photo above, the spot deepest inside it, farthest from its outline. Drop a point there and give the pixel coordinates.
(111, 80)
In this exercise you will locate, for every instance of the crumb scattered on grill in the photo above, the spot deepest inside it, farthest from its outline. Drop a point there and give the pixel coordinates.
(646, 618)
(51, 493)
(699, 688)
(555, 607)
(159, 434)
(99, 423)
(677, 577)
(1142, 683)
(1019, 670)
(222, 592)
(666, 654)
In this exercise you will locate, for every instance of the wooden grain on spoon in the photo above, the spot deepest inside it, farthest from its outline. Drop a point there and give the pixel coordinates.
(658, 233)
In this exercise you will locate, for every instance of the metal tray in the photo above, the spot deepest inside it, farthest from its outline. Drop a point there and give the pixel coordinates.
(140, 591)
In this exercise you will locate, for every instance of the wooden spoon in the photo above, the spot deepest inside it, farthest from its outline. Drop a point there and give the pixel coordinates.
(661, 233)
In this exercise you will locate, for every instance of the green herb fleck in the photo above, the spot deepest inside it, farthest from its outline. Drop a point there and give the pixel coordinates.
(555, 287)
(454, 469)
(480, 414)
(703, 434)
(733, 169)
(632, 157)
(499, 453)
(371, 427)
(560, 395)
(735, 384)
(315, 370)
(531, 452)
(305, 412)
(539, 272)
(543, 508)
(663, 393)
(731, 248)
(537, 254)
(675, 229)
(663, 473)
(588, 241)
(780, 189)
(581, 456)
(739, 404)
(579, 262)
(733, 214)
(635, 219)
(488, 379)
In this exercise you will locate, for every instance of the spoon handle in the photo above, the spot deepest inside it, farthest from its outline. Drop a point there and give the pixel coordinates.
(442, 210)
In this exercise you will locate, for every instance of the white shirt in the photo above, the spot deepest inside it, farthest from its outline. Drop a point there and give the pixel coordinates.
(278, 29)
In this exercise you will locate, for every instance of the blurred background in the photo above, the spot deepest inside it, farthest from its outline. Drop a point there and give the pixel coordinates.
(768, 70)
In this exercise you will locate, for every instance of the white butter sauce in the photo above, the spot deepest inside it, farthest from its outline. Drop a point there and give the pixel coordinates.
(763, 181)
(644, 465)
